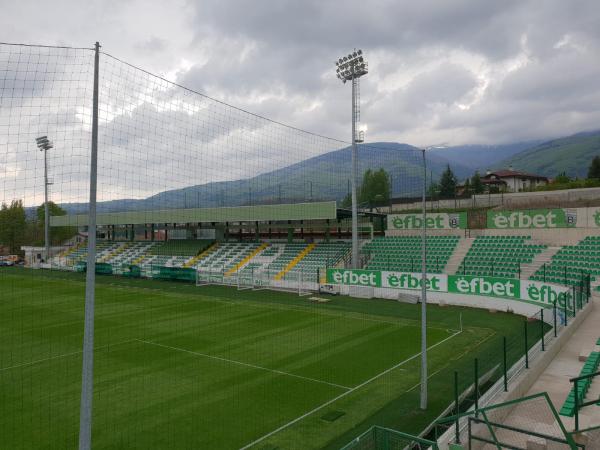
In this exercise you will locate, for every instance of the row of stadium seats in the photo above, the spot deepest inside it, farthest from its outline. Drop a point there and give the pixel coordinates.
(500, 256)
(226, 255)
(590, 366)
(488, 256)
(572, 262)
(403, 253)
(181, 247)
(323, 255)
(103, 249)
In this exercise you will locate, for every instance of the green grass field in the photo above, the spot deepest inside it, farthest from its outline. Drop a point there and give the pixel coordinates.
(179, 366)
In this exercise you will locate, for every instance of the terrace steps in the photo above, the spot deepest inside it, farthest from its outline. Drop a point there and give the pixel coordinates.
(192, 262)
(247, 259)
(543, 258)
(115, 252)
(309, 248)
(462, 248)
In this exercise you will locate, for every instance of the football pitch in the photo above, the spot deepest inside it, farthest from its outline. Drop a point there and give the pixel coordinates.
(179, 366)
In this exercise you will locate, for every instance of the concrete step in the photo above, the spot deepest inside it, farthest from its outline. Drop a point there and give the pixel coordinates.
(463, 246)
(545, 257)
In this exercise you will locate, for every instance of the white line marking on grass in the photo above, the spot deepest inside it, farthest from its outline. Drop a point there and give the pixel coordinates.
(253, 366)
(364, 383)
(64, 355)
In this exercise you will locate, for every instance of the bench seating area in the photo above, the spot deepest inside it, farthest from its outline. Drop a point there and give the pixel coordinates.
(325, 254)
(226, 255)
(500, 256)
(286, 255)
(571, 262)
(180, 247)
(103, 248)
(590, 366)
(403, 253)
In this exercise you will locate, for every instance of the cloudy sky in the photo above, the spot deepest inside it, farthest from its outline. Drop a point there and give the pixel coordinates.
(454, 70)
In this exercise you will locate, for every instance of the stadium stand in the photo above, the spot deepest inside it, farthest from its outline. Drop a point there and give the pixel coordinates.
(287, 253)
(403, 253)
(590, 366)
(500, 256)
(323, 255)
(225, 256)
(103, 249)
(571, 262)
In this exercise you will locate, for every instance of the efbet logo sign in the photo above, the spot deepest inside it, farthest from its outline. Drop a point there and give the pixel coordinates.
(535, 291)
(543, 294)
(370, 278)
(438, 221)
(403, 280)
(537, 218)
(488, 286)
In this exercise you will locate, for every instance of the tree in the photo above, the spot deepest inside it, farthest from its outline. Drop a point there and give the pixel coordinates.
(433, 190)
(467, 191)
(58, 234)
(12, 226)
(594, 170)
(375, 188)
(562, 178)
(347, 201)
(447, 183)
(476, 184)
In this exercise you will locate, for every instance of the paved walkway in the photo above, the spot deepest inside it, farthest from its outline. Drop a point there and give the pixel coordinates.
(555, 381)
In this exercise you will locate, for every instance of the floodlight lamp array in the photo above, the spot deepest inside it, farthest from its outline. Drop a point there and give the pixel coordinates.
(43, 143)
(351, 66)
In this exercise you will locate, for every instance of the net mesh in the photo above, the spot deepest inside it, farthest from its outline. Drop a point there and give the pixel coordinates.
(201, 206)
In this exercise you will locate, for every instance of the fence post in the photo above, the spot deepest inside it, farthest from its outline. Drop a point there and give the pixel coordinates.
(519, 270)
(476, 373)
(457, 406)
(554, 311)
(544, 266)
(574, 301)
(504, 365)
(542, 329)
(566, 312)
(576, 387)
(526, 346)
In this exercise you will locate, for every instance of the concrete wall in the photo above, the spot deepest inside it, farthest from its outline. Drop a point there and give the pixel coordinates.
(445, 298)
(557, 199)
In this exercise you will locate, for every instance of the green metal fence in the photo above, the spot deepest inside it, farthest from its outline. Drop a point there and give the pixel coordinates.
(379, 438)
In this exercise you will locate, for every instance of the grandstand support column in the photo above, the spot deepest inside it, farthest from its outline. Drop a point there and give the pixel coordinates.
(424, 291)
(87, 379)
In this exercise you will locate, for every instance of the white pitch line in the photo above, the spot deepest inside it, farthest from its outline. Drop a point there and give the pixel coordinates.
(64, 355)
(253, 366)
(364, 383)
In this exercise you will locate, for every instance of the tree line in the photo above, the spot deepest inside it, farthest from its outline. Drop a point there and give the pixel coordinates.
(17, 230)
(376, 190)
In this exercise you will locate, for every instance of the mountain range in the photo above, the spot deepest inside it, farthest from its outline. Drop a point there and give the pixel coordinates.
(325, 177)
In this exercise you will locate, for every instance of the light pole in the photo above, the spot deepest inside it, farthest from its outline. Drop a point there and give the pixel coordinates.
(44, 145)
(351, 68)
(424, 282)
(424, 290)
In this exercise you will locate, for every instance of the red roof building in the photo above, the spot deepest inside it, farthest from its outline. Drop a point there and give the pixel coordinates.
(513, 180)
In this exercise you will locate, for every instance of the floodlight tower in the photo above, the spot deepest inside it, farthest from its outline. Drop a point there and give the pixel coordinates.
(351, 68)
(44, 145)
